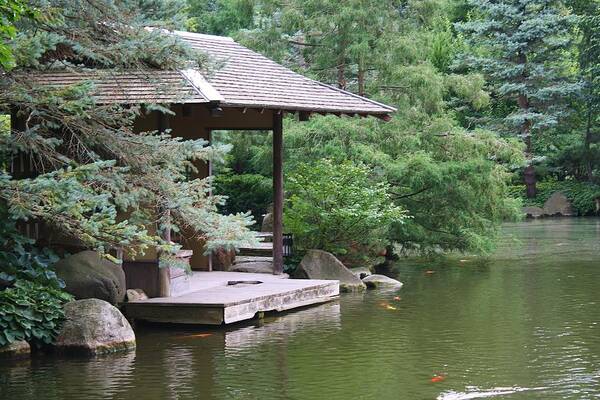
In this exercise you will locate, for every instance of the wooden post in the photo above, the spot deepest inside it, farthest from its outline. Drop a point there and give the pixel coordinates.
(164, 273)
(277, 193)
(164, 276)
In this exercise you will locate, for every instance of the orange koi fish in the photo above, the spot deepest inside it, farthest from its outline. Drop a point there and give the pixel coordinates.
(397, 298)
(197, 335)
(438, 378)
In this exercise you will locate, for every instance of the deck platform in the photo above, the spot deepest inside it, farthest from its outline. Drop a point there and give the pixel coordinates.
(216, 298)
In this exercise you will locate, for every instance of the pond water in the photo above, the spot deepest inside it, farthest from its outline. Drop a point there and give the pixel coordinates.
(523, 325)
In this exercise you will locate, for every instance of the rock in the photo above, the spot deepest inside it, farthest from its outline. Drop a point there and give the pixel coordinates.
(558, 204)
(19, 349)
(258, 267)
(318, 264)
(381, 281)
(223, 259)
(360, 272)
(88, 275)
(267, 223)
(533, 212)
(136, 294)
(94, 326)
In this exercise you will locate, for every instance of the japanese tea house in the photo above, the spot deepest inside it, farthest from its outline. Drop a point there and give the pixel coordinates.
(244, 91)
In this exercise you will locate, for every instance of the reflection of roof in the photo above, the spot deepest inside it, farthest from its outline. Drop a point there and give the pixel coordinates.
(242, 78)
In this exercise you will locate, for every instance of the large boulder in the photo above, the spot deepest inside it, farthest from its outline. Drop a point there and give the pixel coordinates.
(558, 204)
(18, 349)
(87, 275)
(318, 264)
(267, 223)
(533, 212)
(94, 326)
(381, 281)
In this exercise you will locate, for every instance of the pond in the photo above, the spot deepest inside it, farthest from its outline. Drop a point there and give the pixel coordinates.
(523, 325)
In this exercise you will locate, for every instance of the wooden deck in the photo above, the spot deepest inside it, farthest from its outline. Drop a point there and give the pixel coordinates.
(216, 298)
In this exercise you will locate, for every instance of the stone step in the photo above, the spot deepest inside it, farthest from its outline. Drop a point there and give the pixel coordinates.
(246, 259)
(261, 249)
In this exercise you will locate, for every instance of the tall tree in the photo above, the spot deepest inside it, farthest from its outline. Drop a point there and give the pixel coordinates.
(588, 13)
(520, 46)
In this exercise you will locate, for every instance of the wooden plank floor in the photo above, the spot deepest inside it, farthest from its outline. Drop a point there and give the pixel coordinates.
(214, 300)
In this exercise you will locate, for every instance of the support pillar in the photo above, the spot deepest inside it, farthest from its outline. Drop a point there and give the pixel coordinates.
(277, 193)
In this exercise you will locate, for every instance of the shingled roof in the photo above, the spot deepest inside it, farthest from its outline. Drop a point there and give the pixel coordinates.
(248, 79)
(243, 78)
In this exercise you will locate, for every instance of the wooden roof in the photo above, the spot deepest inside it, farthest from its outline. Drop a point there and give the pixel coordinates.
(247, 79)
(156, 86)
(243, 78)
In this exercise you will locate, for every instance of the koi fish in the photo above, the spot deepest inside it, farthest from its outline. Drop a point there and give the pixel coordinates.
(197, 335)
(397, 298)
(387, 306)
(463, 261)
(430, 272)
(438, 378)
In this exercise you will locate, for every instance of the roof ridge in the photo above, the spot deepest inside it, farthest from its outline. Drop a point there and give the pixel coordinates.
(192, 35)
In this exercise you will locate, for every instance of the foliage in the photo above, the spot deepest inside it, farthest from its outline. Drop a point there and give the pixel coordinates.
(21, 260)
(581, 194)
(335, 206)
(32, 312)
(451, 182)
(94, 167)
(245, 193)
(449, 176)
(220, 17)
(10, 12)
(520, 46)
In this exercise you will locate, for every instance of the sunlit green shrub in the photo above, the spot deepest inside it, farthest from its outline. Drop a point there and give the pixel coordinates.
(338, 207)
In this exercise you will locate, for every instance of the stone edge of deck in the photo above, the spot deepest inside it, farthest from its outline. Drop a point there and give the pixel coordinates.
(218, 313)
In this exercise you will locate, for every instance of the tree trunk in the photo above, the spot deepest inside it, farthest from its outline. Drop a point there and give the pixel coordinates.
(361, 80)
(529, 173)
(588, 132)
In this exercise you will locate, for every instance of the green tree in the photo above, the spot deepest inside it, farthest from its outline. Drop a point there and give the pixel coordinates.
(11, 11)
(220, 17)
(520, 46)
(337, 207)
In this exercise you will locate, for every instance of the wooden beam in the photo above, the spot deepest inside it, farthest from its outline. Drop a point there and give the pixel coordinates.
(277, 194)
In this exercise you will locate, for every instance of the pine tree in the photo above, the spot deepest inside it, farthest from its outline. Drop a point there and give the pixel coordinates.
(521, 46)
(93, 166)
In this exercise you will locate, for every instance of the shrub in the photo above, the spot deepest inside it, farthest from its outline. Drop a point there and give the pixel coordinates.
(31, 301)
(246, 192)
(32, 312)
(581, 194)
(337, 207)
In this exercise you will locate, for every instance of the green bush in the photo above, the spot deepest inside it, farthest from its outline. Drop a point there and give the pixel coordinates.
(338, 207)
(30, 292)
(246, 192)
(581, 194)
(32, 312)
